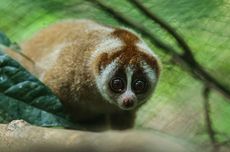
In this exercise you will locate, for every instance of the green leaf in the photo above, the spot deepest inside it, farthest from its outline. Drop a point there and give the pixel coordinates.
(4, 40)
(18, 83)
(23, 96)
(11, 109)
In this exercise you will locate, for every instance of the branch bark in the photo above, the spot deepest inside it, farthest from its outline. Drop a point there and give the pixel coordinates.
(19, 136)
(185, 60)
(208, 120)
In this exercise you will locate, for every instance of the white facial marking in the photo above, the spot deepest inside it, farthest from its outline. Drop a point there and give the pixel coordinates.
(144, 48)
(129, 74)
(128, 93)
(108, 45)
(104, 78)
(150, 72)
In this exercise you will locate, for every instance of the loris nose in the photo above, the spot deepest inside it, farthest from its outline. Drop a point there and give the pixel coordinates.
(128, 103)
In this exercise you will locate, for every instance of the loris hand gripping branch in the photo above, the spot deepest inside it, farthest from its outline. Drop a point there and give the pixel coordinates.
(98, 72)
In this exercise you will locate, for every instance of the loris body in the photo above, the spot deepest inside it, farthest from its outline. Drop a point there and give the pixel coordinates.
(98, 72)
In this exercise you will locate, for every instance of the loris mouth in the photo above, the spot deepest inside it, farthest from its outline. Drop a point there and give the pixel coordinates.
(127, 104)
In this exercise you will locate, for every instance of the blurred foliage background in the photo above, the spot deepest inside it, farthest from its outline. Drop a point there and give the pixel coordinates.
(177, 106)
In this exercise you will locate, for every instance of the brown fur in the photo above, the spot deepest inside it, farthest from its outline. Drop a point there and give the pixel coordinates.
(69, 73)
(129, 54)
(69, 77)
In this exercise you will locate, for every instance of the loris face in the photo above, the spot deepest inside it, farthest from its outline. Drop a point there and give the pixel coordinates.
(129, 86)
(127, 72)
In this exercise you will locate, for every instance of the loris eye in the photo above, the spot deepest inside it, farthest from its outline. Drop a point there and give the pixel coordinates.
(117, 85)
(139, 86)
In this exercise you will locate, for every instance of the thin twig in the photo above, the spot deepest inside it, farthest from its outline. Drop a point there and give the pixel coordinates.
(188, 62)
(208, 120)
(181, 42)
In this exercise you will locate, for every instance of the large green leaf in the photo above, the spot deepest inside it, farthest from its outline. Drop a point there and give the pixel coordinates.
(23, 96)
(11, 109)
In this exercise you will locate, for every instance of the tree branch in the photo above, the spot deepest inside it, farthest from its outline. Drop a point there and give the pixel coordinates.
(181, 42)
(208, 120)
(19, 136)
(186, 60)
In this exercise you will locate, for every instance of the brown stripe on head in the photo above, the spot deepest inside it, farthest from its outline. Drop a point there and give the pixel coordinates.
(128, 55)
(127, 37)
